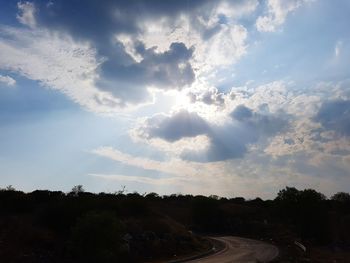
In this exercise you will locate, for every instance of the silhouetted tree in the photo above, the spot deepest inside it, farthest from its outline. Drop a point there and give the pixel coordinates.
(341, 197)
(305, 209)
(8, 188)
(77, 189)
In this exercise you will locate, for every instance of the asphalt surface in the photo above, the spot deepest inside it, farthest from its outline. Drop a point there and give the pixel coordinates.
(242, 250)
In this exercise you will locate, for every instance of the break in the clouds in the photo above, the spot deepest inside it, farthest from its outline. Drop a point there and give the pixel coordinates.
(176, 96)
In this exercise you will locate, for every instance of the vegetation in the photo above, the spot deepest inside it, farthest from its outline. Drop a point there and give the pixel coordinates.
(52, 226)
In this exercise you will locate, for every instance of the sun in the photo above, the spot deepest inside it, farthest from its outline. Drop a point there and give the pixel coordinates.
(183, 101)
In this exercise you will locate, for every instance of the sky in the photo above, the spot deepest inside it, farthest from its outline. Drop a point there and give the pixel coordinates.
(227, 97)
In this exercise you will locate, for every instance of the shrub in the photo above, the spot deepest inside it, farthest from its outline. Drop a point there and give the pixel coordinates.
(97, 237)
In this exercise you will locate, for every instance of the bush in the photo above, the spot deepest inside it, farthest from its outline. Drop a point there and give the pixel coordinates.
(97, 237)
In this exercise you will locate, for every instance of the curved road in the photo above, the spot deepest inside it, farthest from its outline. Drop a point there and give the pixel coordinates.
(242, 250)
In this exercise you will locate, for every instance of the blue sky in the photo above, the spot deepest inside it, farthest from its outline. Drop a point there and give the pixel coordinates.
(234, 98)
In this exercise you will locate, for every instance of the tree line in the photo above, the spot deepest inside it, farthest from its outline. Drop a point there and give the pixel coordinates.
(80, 226)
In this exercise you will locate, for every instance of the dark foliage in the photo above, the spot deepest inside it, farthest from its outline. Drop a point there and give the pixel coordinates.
(51, 226)
(97, 237)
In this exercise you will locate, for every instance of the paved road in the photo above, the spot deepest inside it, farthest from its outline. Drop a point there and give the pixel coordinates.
(241, 250)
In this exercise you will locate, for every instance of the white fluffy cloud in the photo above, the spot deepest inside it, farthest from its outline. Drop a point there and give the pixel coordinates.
(223, 47)
(56, 61)
(26, 14)
(277, 12)
(7, 80)
(235, 9)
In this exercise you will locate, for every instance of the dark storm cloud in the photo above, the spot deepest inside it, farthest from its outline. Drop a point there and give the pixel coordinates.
(99, 22)
(335, 115)
(227, 141)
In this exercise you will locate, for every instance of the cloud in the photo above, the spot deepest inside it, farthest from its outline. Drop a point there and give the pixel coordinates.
(335, 115)
(242, 113)
(193, 177)
(236, 177)
(209, 96)
(276, 118)
(7, 80)
(192, 38)
(26, 14)
(111, 17)
(167, 70)
(300, 138)
(173, 166)
(175, 127)
(128, 159)
(224, 48)
(142, 179)
(235, 9)
(338, 47)
(226, 141)
(318, 122)
(300, 106)
(119, 17)
(277, 12)
(59, 62)
(217, 45)
(129, 68)
(276, 113)
(55, 61)
(265, 123)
